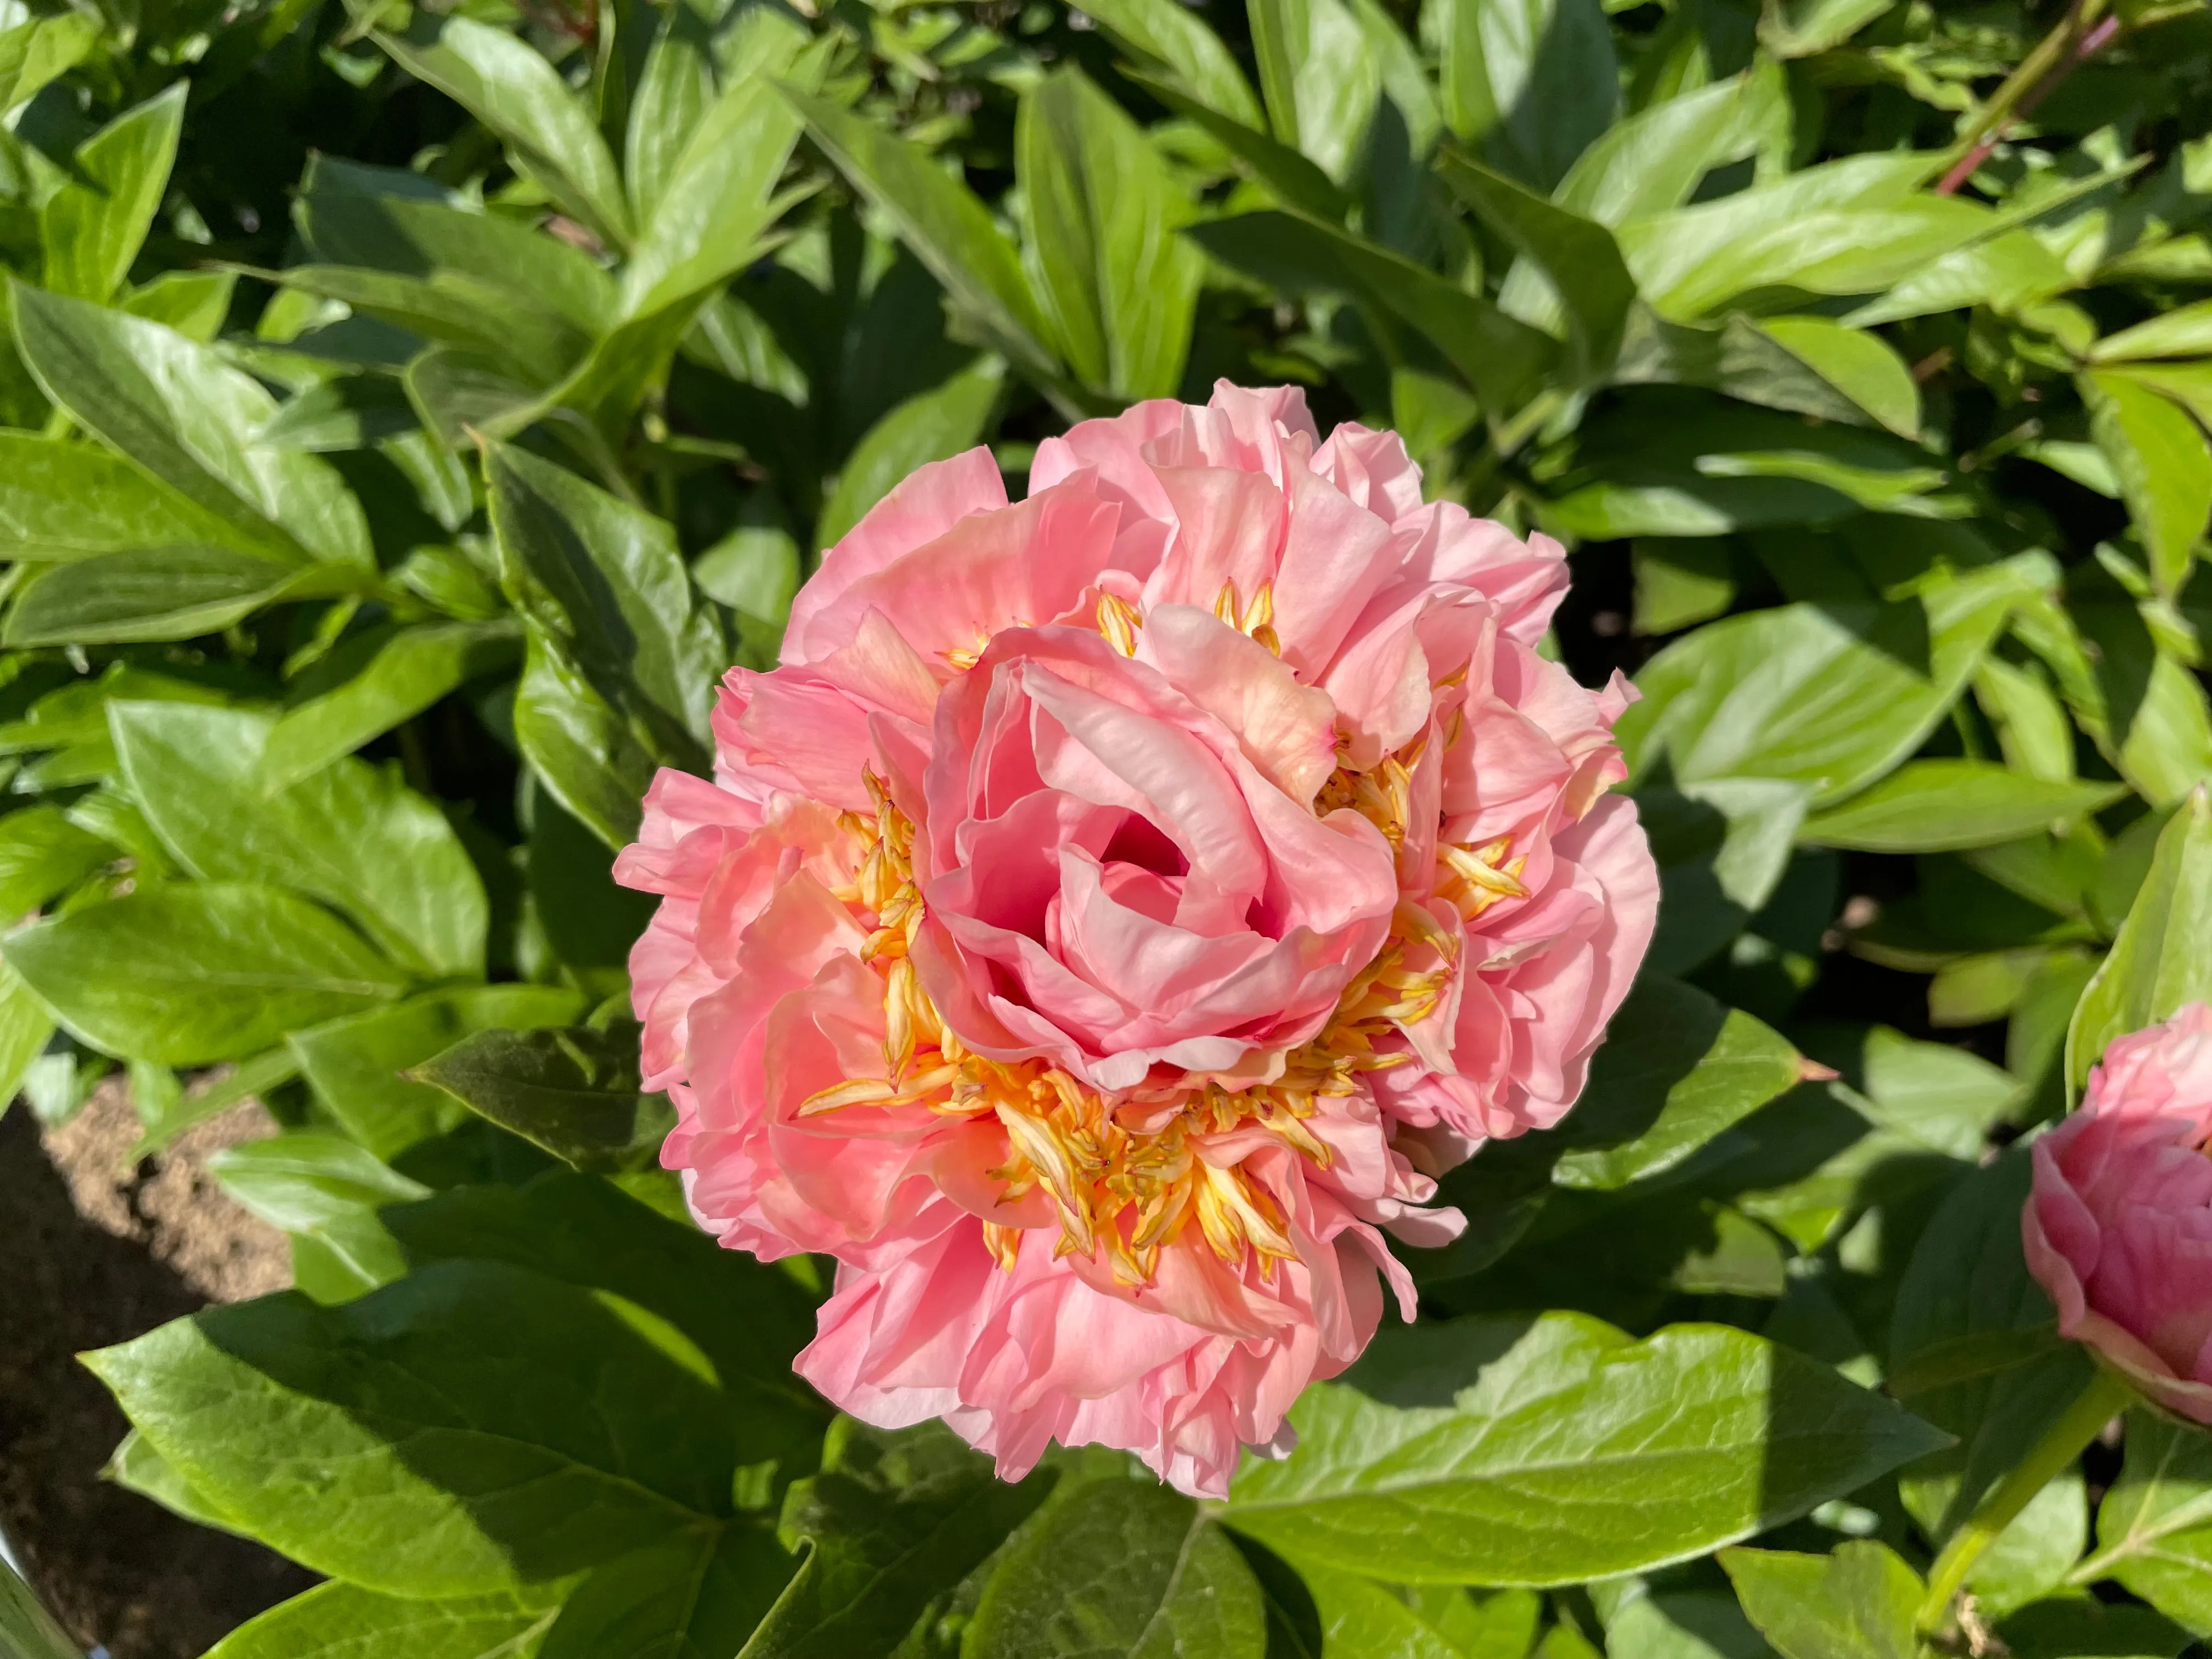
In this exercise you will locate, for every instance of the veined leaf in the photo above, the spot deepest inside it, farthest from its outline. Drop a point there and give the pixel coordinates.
(1939, 806)
(93, 225)
(2161, 959)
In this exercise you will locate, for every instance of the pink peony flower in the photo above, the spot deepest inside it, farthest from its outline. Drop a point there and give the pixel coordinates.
(1116, 910)
(2118, 1228)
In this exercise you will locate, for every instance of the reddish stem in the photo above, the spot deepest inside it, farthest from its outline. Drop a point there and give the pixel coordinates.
(2086, 48)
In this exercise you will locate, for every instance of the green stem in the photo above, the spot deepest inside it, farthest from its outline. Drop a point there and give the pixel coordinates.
(2050, 54)
(2105, 1398)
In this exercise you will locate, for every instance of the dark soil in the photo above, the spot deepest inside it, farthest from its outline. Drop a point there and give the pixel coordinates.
(96, 1253)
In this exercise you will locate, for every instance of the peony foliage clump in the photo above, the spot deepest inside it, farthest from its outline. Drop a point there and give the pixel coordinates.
(1322, 827)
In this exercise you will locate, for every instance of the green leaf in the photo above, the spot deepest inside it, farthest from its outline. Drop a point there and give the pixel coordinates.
(939, 218)
(2031, 1558)
(1858, 1603)
(608, 579)
(471, 1429)
(2162, 958)
(327, 1189)
(2185, 332)
(186, 418)
(136, 1467)
(1805, 28)
(1681, 581)
(586, 754)
(1119, 1567)
(1575, 1454)
(747, 1318)
(2076, 1624)
(502, 80)
(381, 679)
(930, 425)
(195, 303)
(42, 856)
(1654, 160)
(351, 834)
(894, 1520)
(382, 221)
(1577, 256)
(1537, 79)
(574, 1093)
(1834, 694)
(533, 345)
(344, 1621)
(697, 1596)
(39, 50)
(1169, 35)
(1501, 358)
(1320, 76)
(25, 1029)
(69, 501)
(1119, 285)
(1677, 1069)
(1938, 806)
(163, 594)
(720, 196)
(1363, 1620)
(25, 1626)
(1288, 176)
(1860, 365)
(186, 976)
(93, 225)
(1967, 1276)
(354, 1065)
(2154, 1527)
(2164, 464)
(1944, 1098)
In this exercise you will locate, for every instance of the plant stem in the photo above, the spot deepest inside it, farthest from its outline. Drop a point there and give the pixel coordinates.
(2076, 39)
(2105, 1398)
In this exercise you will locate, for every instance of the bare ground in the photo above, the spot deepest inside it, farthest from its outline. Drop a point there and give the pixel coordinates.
(96, 1252)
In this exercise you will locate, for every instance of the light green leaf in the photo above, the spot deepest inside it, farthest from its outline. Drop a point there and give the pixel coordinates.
(1834, 696)
(930, 425)
(1681, 581)
(533, 343)
(471, 1429)
(1654, 160)
(2005, 272)
(1170, 34)
(2162, 958)
(502, 80)
(673, 90)
(327, 1189)
(189, 975)
(41, 50)
(163, 594)
(1860, 365)
(136, 1467)
(1939, 806)
(1320, 75)
(1114, 1568)
(1677, 1069)
(1118, 284)
(71, 501)
(1287, 175)
(42, 856)
(93, 225)
(25, 1029)
(195, 303)
(184, 416)
(2031, 1558)
(2163, 463)
(1575, 1454)
(939, 218)
(1858, 1603)
(574, 1093)
(2185, 332)
(386, 678)
(2154, 1527)
(352, 834)
(890, 1524)
(2031, 722)
(1363, 1620)
(354, 1065)
(344, 1621)
(1805, 28)
(1942, 1098)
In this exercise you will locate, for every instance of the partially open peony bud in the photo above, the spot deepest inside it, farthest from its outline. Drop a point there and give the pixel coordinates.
(1115, 911)
(2118, 1228)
